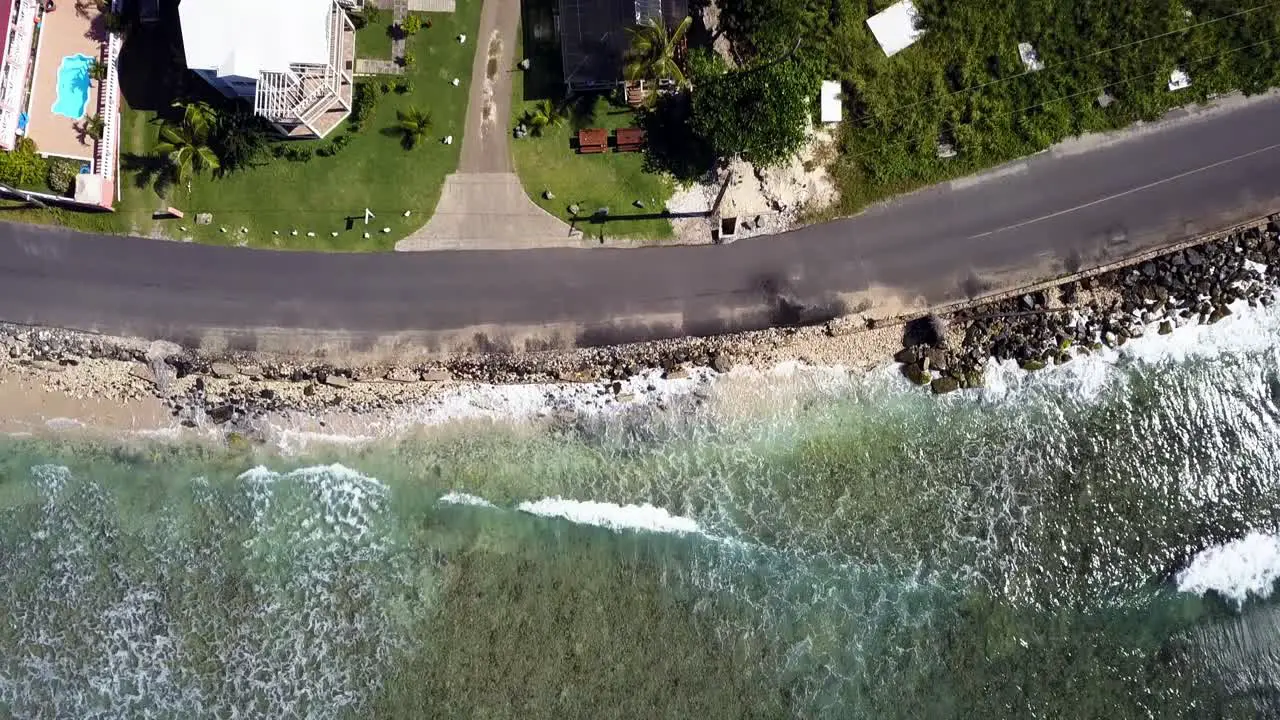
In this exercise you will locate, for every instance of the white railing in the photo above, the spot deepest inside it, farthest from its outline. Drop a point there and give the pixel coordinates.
(109, 111)
(14, 81)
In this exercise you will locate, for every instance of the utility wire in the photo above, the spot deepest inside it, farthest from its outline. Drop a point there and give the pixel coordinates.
(1097, 89)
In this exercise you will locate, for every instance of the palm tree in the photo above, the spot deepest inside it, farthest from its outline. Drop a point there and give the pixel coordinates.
(97, 70)
(199, 115)
(545, 113)
(186, 144)
(652, 55)
(413, 125)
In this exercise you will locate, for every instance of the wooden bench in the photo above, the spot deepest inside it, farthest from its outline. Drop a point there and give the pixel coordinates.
(630, 139)
(593, 140)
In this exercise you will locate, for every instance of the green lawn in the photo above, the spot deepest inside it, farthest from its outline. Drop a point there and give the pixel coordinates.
(318, 196)
(373, 41)
(612, 180)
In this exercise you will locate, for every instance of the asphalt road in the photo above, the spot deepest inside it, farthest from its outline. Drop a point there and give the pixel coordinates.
(1075, 207)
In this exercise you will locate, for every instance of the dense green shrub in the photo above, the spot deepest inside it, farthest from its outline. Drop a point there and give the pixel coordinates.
(365, 99)
(411, 25)
(61, 176)
(23, 167)
(404, 86)
(386, 85)
(300, 153)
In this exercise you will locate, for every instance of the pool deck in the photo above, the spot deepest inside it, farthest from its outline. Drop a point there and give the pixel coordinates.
(64, 32)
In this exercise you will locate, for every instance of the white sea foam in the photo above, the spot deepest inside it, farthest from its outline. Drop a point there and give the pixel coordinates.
(1235, 570)
(503, 403)
(460, 498)
(611, 515)
(1091, 376)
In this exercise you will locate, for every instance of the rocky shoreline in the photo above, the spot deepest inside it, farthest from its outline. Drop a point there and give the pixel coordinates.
(945, 353)
(1194, 285)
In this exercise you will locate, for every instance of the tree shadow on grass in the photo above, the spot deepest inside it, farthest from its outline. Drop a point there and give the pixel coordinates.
(154, 171)
(671, 144)
(407, 141)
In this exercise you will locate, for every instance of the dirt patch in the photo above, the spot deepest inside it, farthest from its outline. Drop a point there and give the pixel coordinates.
(488, 107)
(764, 200)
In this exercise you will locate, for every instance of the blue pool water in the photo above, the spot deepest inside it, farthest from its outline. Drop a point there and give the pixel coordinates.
(73, 86)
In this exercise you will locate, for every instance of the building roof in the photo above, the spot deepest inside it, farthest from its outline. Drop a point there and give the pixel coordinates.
(6, 17)
(594, 37)
(244, 38)
(896, 27)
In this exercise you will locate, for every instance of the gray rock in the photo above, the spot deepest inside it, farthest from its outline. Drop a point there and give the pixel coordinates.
(1166, 327)
(251, 371)
(676, 373)
(938, 359)
(403, 375)
(721, 363)
(337, 381)
(48, 366)
(845, 325)
(143, 372)
(223, 370)
(437, 375)
(1032, 365)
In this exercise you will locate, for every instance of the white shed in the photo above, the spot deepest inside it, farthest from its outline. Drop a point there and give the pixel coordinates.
(832, 108)
(896, 27)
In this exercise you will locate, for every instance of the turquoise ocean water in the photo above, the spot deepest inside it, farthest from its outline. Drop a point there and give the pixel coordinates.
(1097, 540)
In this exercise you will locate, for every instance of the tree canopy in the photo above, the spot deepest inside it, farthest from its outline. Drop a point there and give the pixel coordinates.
(756, 113)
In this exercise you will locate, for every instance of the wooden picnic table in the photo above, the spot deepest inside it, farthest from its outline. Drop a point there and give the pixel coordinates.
(593, 140)
(630, 139)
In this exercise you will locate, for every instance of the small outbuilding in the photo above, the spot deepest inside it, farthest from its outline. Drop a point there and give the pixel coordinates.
(896, 27)
(832, 108)
(1179, 79)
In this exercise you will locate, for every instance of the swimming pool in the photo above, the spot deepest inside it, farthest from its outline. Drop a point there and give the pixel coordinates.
(73, 86)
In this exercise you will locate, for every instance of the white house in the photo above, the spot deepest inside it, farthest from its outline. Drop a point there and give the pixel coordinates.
(292, 59)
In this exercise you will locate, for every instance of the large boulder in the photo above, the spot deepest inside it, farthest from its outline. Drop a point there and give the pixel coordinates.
(907, 355)
(944, 385)
(917, 374)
